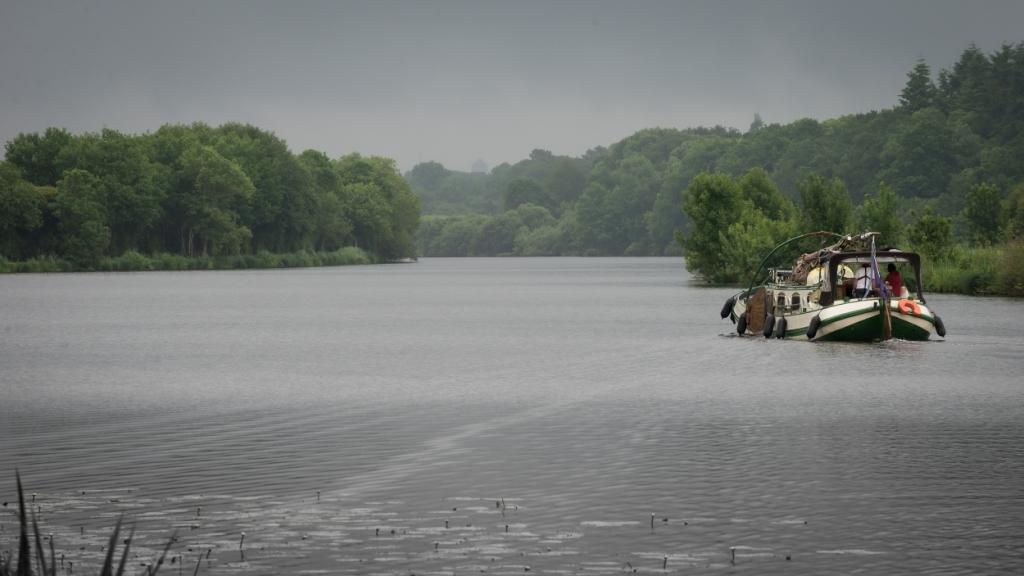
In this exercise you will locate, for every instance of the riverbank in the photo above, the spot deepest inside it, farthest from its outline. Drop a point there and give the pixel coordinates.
(990, 270)
(971, 271)
(133, 261)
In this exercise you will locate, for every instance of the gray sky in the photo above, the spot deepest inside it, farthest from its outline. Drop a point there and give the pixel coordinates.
(455, 81)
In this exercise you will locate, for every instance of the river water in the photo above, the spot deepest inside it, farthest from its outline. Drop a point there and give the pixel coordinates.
(500, 416)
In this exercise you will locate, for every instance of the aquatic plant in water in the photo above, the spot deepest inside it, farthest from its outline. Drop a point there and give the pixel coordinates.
(24, 565)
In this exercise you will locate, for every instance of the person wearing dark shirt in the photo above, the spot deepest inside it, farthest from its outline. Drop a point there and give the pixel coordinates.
(894, 280)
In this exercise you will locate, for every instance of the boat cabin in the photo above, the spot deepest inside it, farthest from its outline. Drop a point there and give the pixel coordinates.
(835, 288)
(788, 297)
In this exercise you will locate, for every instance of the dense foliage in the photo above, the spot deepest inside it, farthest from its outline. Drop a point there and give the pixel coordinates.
(198, 192)
(948, 154)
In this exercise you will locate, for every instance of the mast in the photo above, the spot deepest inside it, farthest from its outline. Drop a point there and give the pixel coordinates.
(883, 296)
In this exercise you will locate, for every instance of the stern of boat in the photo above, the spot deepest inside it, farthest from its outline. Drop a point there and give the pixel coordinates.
(863, 320)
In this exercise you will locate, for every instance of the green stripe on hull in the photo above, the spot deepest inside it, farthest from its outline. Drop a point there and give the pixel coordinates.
(907, 331)
(870, 330)
(867, 330)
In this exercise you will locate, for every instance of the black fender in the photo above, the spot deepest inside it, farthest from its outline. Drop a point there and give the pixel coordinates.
(940, 328)
(780, 328)
(727, 307)
(741, 324)
(769, 326)
(812, 328)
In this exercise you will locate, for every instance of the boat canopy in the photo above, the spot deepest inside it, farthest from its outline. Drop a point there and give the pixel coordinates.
(881, 256)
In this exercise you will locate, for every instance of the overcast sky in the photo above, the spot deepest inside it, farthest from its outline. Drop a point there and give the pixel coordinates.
(457, 81)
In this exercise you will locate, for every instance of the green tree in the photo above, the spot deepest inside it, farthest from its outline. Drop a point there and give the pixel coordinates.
(458, 234)
(919, 157)
(713, 202)
(129, 184)
(280, 213)
(564, 182)
(40, 157)
(665, 219)
(931, 235)
(964, 88)
(919, 91)
(497, 236)
(765, 196)
(533, 216)
(756, 125)
(21, 212)
(380, 194)
(427, 176)
(705, 154)
(595, 230)
(461, 193)
(217, 189)
(84, 232)
(371, 215)
(1013, 208)
(805, 149)
(613, 212)
(880, 213)
(405, 220)
(332, 226)
(524, 191)
(195, 190)
(1005, 108)
(637, 183)
(747, 241)
(982, 212)
(555, 239)
(825, 205)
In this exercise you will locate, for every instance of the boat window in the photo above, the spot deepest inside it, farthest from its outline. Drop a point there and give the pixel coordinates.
(796, 301)
(781, 301)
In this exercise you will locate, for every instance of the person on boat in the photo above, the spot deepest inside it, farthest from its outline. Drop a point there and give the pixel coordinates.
(863, 281)
(894, 281)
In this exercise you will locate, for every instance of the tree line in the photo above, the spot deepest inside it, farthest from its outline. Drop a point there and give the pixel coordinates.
(195, 191)
(947, 155)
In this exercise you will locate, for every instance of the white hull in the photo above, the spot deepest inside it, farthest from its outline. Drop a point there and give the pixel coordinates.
(857, 319)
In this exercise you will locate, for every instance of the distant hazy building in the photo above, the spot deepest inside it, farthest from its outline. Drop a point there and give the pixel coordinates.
(480, 167)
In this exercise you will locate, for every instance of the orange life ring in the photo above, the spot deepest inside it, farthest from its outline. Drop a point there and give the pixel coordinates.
(909, 307)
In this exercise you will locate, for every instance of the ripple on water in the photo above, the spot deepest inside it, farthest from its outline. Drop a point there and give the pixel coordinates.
(580, 394)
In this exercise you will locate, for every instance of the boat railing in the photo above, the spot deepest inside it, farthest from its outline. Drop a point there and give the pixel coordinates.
(761, 265)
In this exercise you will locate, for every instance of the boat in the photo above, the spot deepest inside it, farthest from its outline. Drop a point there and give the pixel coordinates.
(817, 298)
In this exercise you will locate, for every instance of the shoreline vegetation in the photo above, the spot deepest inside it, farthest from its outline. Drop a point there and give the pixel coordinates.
(133, 261)
(978, 271)
(938, 173)
(737, 221)
(195, 197)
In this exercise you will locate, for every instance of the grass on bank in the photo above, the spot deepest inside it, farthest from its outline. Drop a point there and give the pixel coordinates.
(991, 270)
(133, 261)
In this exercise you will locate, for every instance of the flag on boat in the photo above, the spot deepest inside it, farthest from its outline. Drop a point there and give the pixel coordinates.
(879, 285)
